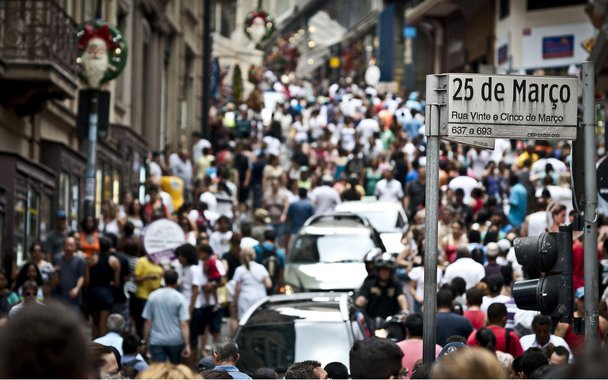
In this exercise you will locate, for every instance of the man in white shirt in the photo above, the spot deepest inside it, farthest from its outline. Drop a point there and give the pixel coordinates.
(389, 189)
(470, 270)
(325, 198)
(116, 327)
(542, 337)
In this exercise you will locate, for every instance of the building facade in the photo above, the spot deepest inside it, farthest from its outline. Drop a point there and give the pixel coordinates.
(155, 102)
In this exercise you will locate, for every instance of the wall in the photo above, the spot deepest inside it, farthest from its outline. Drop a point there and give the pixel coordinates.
(511, 31)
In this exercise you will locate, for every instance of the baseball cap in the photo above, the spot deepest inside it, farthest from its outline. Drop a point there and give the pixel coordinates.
(60, 214)
(450, 348)
(262, 215)
(580, 293)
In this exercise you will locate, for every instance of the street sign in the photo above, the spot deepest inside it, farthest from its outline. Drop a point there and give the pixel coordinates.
(511, 106)
(480, 142)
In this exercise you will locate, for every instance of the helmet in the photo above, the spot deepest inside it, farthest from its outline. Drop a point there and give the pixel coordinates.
(386, 260)
(371, 255)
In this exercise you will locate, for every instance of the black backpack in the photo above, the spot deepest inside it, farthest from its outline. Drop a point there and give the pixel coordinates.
(128, 369)
(270, 261)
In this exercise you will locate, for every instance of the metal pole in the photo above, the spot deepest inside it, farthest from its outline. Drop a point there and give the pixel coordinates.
(590, 203)
(207, 41)
(89, 197)
(431, 214)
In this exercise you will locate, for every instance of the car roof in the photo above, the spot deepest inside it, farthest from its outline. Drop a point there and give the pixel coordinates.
(332, 228)
(368, 206)
(330, 306)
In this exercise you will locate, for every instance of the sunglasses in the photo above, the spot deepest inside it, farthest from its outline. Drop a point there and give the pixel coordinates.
(29, 294)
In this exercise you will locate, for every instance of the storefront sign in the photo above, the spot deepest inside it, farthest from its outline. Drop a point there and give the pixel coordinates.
(558, 47)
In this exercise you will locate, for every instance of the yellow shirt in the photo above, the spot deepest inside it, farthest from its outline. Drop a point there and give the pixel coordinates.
(145, 267)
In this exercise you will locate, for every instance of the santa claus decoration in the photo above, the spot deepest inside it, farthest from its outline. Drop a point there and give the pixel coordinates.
(102, 52)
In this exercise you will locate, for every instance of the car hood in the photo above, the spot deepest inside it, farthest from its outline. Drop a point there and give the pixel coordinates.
(392, 241)
(326, 276)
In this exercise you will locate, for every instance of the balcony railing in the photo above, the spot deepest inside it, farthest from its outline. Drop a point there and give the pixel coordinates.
(37, 31)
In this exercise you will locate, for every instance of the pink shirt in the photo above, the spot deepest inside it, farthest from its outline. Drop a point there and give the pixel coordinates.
(412, 352)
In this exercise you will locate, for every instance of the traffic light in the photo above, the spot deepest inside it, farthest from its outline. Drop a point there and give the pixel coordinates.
(550, 256)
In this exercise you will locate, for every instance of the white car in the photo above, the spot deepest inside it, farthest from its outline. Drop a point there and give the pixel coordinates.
(388, 218)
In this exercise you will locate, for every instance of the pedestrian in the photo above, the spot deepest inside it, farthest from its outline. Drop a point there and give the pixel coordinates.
(56, 237)
(8, 298)
(251, 283)
(225, 354)
(89, 238)
(276, 202)
(297, 214)
(168, 371)
(325, 198)
(29, 272)
(147, 276)
(46, 268)
(166, 329)
(105, 362)
(29, 290)
(272, 258)
(542, 336)
(69, 272)
(449, 323)
(383, 296)
(465, 267)
(307, 369)
(468, 363)
(412, 345)
(102, 276)
(132, 362)
(44, 342)
(506, 340)
(477, 317)
(375, 358)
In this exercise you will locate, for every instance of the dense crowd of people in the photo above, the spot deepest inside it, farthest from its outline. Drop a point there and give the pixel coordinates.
(242, 194)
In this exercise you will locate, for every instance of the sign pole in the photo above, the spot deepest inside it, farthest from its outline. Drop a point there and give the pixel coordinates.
(89, 196)
(590, 203)
(431, 215)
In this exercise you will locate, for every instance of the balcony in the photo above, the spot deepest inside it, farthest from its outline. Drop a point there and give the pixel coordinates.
(38, 49)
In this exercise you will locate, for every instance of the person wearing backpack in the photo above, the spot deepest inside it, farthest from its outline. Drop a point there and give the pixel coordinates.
(273, 259)
(132, 362)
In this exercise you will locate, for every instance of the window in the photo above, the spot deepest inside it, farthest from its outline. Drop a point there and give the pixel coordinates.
(32, 219)
(19, 229)
(74, 209)
(504, 8)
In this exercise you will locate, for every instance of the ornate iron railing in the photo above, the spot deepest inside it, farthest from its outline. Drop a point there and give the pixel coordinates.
(37, 31)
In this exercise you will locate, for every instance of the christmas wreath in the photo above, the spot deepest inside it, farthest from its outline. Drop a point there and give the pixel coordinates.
(259, 18)
(115, 43)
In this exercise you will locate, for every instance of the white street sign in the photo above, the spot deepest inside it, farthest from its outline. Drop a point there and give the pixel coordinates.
(511, 106)
(480, 142)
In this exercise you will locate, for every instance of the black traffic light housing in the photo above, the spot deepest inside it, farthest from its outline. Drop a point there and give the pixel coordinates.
(549, 254)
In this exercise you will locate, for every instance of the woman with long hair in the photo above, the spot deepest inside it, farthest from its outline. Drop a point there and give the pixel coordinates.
(29, 272)
(252, 280)
(46, 269)
(101, 276)
(89, 238)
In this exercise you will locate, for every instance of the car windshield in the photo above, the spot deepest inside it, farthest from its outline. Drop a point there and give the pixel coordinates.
(384, 220)
(331, 248)
(278, 338)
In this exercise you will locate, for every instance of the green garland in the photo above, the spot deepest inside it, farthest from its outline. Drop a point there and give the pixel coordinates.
(237, 85)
